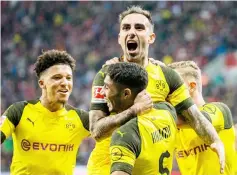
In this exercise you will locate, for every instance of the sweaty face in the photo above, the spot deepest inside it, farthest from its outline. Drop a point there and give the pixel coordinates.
(112, 95)
(57, 83)
(135, 32)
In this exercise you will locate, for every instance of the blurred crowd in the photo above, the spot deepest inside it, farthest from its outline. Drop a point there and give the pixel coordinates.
(198, 31)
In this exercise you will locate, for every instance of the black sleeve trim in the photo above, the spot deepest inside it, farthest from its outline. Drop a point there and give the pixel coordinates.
(184, 105)
(121, 166)
(84, 115)
(228, 120)
(3, 137)
(100, 106)
(207, 116)
(14, 112)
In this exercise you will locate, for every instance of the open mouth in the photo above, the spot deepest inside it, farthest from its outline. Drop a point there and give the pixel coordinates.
(132, 46)
(63, 91)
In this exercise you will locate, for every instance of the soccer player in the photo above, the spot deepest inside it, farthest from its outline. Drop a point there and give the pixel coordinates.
(164, 84)
(145, 144)
(193, 155)
(47, 131)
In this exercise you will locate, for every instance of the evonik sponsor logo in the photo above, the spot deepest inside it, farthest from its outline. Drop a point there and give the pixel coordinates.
(193, 151)
(54, 147)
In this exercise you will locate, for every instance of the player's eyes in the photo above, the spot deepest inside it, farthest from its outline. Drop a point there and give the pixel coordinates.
(139, 27)
(126, 27)
(69, 78)
(56, 78)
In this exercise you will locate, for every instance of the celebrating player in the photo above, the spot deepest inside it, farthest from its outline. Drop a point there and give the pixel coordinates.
(136, 34)
(138, 146)
(193, 155)
(47, 132)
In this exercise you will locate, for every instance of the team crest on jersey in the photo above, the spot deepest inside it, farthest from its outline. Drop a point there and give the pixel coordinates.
(97, 96)
(161, 85)
(70, 126)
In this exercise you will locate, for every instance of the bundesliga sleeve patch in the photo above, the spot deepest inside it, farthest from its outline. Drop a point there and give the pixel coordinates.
(97, 96)
(2, 119)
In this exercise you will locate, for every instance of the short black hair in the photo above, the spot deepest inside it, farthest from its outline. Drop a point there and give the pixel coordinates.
(131, 75)
(53, 57)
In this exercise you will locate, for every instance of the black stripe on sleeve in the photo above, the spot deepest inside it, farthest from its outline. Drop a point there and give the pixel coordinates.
(14, 112)
(3, 137)
(121, 166)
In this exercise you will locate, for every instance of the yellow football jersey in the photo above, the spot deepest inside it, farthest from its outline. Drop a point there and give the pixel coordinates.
(45, 142)
(195, 157)
(164, 84)
(145, 144)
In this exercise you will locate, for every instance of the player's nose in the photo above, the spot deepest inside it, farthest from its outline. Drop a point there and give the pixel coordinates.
(64, 81)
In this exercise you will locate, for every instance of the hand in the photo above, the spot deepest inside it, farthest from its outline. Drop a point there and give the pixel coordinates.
(218, 147)
(152, 60)
(112, 61)
(142, 102)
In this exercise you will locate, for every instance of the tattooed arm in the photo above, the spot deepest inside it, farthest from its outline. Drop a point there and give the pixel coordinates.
(102, 126)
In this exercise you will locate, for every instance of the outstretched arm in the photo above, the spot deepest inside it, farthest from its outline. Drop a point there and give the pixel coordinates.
(102, 126)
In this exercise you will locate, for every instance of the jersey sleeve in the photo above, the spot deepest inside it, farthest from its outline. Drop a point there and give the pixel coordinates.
(218, 114)
(178, 96)
(10, 119)
(97, 99)
(125, 147)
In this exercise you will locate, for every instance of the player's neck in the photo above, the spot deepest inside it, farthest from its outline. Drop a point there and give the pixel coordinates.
(198, 99)
(51, 106)
(142, 62)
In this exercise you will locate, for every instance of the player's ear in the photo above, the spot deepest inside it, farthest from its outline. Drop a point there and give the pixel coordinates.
(119, 38)
(41, 83)
(127, 93)
(192, 86)
(152, 38)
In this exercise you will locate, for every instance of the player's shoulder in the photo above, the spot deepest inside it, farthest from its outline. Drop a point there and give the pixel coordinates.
(130, 128)
(20, 105)
(15, 111)
(173, 79)
(219, 109)
(166, 106)
(82, 114)
(212, 107)
(128, 136)
(100, 76)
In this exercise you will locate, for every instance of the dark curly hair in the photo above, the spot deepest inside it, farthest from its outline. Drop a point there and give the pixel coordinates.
(53, 57)
(130, 75)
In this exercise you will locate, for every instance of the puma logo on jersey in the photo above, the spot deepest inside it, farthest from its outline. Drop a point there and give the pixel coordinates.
(121, 133)
(30, 121)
